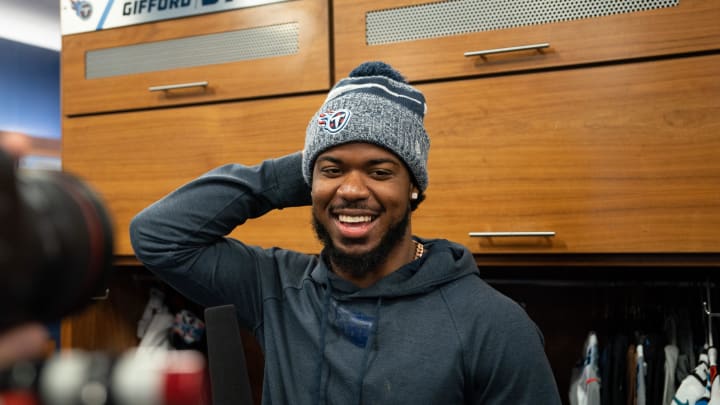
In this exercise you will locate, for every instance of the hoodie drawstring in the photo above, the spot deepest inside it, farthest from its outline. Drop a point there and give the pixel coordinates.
(368, 348)
(323, 328)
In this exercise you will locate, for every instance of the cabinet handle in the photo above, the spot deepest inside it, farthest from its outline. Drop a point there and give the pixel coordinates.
(178, 86)
(103, 297)
(548, 234)
(510, 49)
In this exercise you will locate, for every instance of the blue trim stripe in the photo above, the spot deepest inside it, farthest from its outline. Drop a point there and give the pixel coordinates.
(396, 87)
(104, 15)
(411, 99)
(407, 102)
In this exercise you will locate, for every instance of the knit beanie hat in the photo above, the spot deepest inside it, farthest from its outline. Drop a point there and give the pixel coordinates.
(375, 104)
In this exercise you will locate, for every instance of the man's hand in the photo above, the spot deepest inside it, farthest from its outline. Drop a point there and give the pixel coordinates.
(24, 342)
(16, 145)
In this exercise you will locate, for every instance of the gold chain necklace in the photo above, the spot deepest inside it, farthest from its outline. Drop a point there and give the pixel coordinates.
(419, 250)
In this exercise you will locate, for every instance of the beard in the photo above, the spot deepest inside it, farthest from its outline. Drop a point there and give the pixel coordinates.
(358, 266)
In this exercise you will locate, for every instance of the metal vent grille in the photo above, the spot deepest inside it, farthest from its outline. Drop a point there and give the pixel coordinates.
(201, 50)
(456, 17)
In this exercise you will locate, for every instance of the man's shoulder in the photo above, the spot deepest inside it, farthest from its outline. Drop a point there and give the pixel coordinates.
(473, 288)
(290, 267)
(472, 298)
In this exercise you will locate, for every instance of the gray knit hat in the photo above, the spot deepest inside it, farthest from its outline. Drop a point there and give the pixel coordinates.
(375, 104)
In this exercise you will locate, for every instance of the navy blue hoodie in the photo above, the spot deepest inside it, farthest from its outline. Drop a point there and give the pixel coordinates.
(432, 332)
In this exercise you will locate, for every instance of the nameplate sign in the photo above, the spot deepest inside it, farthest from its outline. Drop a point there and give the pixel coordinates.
(93, 15)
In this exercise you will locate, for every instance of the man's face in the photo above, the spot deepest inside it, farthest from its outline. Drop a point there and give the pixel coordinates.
(361, 194)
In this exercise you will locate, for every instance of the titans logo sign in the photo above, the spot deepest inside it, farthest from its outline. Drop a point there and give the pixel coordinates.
(83, 9)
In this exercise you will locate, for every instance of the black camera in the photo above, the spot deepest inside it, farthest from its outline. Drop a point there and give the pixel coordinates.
(56, 252)
(56, 244)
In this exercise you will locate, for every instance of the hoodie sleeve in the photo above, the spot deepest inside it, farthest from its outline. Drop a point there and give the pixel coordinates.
(504, 354)
(182, 239)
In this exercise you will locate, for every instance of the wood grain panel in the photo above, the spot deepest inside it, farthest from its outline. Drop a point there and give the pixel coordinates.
(618, 159)
(690, 26)
(109, 324)
(135, 158)
(308, 70)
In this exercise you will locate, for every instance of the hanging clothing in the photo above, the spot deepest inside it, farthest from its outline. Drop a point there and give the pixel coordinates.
(693, 389)
(672, 352)
(712, 360)
(714, 382)
(654, 354)
(715, 391)
(153, 328)
(155, 305)
(631, 376)
(685, 337)
(157, 333)
(613, 388)
(640, 394)
(671, 356)
(585, 384)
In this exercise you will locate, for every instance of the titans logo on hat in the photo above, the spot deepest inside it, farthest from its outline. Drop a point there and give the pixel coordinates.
(334, 121)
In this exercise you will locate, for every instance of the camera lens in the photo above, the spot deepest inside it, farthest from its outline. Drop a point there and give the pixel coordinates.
(61, 246)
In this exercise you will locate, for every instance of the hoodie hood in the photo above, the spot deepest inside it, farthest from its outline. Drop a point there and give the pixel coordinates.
(417, 277)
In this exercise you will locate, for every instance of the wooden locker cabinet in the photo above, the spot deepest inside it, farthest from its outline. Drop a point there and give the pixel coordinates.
(306, 70)
(614, 159)
(133, 159)
(689, 26)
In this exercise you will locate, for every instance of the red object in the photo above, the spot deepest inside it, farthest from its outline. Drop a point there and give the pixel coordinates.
(185, 380)
(185, 388)
(18, 398)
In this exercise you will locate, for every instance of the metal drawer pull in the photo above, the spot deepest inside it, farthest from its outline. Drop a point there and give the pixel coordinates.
(103, 297)
(178, 86)
(511, 49)
(510, 234)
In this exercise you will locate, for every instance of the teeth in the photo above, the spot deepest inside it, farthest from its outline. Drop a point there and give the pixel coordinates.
(355, 220)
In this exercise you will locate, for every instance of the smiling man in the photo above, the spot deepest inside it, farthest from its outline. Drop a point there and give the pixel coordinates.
(361, 213)
(380, 316)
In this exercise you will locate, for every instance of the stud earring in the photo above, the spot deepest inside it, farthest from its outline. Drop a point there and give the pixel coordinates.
(414, 196)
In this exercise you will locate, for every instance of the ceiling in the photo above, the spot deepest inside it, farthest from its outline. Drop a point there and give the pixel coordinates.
(32, 22)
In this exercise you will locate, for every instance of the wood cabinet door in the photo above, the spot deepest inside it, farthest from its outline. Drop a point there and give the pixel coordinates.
(280, 48)
(133, 159)
(428, 40)
(613, 159)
